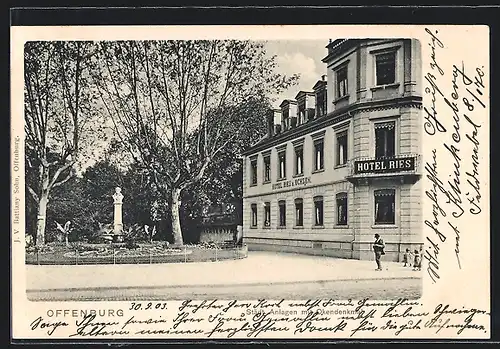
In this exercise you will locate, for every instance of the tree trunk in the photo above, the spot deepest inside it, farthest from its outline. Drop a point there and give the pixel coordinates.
(43, 200)
(176, 219)
(41, 218)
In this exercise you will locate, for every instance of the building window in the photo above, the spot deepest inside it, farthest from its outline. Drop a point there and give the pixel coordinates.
(282, 164)
(302, 117)
(267, 214)
(282, 208)
(385, 206)
(299, 213)
(318, 211)
(318, 154)
(301, 111)
(386, 68)
(342, 82)
(254, 215)
(321, 103)
(253, 170)
(341, 148)
(285, 117)
(341, 199)
(299, 160)
(385, 139)
(267, 168)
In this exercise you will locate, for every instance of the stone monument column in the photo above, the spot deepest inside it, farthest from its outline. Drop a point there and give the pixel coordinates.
(118, 201)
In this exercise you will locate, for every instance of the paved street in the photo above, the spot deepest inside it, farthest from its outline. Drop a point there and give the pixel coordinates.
(375, 289)
(262, 275)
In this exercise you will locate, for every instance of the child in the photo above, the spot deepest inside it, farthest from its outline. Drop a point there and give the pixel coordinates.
(417, 261)
(406, 258)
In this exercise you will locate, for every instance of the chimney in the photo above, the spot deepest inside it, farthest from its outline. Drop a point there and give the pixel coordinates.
(323, 77)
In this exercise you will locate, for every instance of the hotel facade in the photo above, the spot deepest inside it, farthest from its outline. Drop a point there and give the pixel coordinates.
(342, 161)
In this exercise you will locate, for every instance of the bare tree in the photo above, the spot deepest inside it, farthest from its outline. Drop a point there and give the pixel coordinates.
(56, 112)
(174, 104)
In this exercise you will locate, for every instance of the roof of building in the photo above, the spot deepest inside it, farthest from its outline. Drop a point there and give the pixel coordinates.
(288, 101)
(329, 119)
(304, 93)
(337, 46)
(318, 84)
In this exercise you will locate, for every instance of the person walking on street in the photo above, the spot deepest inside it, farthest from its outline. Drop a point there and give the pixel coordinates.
(378, 249)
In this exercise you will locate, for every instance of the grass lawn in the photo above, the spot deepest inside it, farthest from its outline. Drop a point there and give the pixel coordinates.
(131, 253)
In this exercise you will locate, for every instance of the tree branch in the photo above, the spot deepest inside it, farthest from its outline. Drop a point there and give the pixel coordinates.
(67, 178)
(58, 173)
(33, 193)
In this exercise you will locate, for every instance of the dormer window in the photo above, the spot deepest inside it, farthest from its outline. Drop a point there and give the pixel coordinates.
(285, 115)
(302, 117)
(321, 101)
(342, 86)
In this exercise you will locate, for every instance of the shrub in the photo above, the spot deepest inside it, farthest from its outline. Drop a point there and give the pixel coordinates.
(47, 248)
(135, 232)
(82, 247)
(131, 245)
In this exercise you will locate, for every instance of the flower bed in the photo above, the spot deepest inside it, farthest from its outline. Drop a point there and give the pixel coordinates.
(140, 254)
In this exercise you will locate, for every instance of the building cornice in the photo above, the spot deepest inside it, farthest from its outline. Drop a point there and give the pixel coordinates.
(335, 50)
(334, 118)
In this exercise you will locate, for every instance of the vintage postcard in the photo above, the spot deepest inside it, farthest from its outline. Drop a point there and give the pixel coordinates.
(250, 182)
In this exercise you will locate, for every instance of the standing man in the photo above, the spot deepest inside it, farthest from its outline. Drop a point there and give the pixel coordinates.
(378, 248)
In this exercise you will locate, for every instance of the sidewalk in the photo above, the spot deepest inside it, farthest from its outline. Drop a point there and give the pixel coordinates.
(260, 268)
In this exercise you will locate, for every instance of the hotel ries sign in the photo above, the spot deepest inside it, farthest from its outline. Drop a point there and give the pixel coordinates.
(292, 183)
(384, 165)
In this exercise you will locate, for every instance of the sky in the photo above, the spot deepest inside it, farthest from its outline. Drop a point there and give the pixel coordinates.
(292, 57)
(299, 56)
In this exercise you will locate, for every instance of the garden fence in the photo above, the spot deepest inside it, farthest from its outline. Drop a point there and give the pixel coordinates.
(179, 255)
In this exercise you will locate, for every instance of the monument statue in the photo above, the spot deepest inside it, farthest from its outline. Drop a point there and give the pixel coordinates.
(118, 201)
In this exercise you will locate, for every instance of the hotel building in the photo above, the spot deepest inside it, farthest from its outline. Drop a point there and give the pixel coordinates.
(342, 162)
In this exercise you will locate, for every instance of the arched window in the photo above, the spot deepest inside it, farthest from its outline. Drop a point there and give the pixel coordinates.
(318, 211)
(267, 214)
(267, 168)
(385, 139)
(341, 148)
(282, 211)
(341, 199)
(318, 154)
(299, 160)
(385, 200)
(254, 215)
(253, 170)
(299, 213)
(282, 164)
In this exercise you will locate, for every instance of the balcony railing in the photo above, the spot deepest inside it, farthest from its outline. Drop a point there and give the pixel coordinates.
(398, 165)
